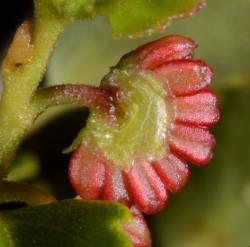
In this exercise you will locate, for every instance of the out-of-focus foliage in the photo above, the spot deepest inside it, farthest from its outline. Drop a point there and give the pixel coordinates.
(65, 223)
(26, 166)
(85, 52)
(14, 192)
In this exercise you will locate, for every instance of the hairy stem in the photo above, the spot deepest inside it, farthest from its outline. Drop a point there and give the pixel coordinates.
(83, 95)
(22, 71)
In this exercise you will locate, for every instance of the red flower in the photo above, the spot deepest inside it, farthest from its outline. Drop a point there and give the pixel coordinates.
(137, 229)
(162, 111)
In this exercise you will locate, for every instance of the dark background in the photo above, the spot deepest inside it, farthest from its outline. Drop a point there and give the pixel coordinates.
(13, 12)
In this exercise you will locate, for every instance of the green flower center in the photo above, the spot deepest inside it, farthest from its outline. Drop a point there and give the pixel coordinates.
(141, 127)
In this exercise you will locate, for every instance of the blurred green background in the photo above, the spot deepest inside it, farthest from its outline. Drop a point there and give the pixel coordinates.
(213, 210)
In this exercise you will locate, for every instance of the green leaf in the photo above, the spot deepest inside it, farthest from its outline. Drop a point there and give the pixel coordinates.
(214, 207)
(66, 223)
(133, 18)
(130, 18)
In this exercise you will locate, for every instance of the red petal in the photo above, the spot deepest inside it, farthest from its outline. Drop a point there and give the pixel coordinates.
(146, 188)
(173, 172)
(164, 50)
(185, 77)
(191, 143)
(86, 172)
(198, 109)
(138, 230)
(114, 188)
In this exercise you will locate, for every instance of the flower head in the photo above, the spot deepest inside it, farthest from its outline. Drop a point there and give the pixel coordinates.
(162, 112)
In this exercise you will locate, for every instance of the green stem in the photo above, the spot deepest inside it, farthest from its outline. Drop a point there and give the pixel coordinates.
(84, 95)
(20, 83)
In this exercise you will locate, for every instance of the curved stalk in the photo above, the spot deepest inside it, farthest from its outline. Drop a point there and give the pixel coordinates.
(83, 95)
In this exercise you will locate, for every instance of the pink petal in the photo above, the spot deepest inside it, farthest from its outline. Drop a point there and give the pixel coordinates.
(184, 77)
(164, 50)
(173, 172)
(114, 188)
(138, 230)
(191, 143)
(145, 187)
(198, 109)
(86, 172)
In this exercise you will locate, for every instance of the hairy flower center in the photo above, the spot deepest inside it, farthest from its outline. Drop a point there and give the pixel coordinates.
(142, 122)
